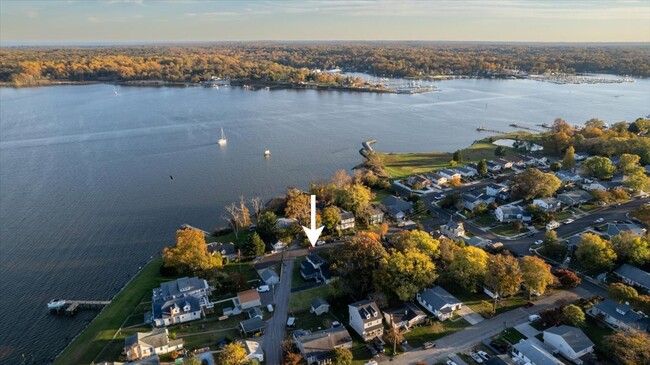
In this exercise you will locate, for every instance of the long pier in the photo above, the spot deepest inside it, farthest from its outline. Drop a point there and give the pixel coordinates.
(71, 307)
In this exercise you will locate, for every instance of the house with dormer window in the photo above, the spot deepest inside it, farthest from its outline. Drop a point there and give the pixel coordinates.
(366, 319)
(179, 301)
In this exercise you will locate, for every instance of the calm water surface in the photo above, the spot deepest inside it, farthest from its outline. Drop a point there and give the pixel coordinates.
(85, 191)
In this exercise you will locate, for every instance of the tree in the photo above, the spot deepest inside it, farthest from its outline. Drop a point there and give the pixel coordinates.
(482, 168)
(500, 151)
(298, 206)
(551, 245)
(628, 347)
(568, 278)
(595, 123)
(467, 267)
(458, 156)
(631, 249)
(556, 166)
(394, 336)
(418, 240)
(341, 356)
(569, 160)
(355, 198)
(291, 358)
(341, 179)
(560, 125)
(533, 183)
(502, 276)
(627, 163)
(267, 227)
(257, 205)
(640, 126)
(238, 216)
(573, 315)
(600, 167)
(536, 274)
(637, 180)
(331, 218)
(383, 229)
(362, 255)
(254, 247)
(621, 292)
(190, 253)
(405, 274)
(619, 194)
(595, 253)
(233, 353)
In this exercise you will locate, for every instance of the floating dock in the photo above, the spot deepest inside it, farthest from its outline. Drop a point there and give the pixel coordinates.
(71, 307)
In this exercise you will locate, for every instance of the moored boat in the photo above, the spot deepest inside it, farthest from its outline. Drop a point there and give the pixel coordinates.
(55, 304)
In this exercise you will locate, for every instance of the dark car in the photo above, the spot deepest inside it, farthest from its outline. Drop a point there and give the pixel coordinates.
(529, 304)
(372, 350)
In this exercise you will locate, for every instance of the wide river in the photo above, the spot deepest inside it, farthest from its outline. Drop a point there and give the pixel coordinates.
(86, 196)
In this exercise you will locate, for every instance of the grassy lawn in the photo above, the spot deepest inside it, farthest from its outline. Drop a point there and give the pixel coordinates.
(246, 269)
(419, 335)
(207, 331)
(596, 331)
(302, 299)
(485, 220)
(506, 230)
(563, 215)
(244, 235)
(512, 335)
(312, 322)
(473, 300)
(87, 347)
(296, 278)
(380, 194)
(588, 207)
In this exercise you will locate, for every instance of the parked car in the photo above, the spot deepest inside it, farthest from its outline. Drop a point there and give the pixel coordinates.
(438, 197)
(539, 242)
(483, 354)
(599, 220)
(336, 324)
(534, 317)
(291, 322)
(567, 221)
(568, 259)
(449, 362)
(476, 358)
(263, 289)
(372, 350)
(320, 242)
(529, 304)
(379, 344)
(269, 307)
(428, 345)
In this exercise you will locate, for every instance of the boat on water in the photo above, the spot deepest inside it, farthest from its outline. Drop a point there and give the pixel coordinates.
(55, 304)
(267, 153)
(223, 139)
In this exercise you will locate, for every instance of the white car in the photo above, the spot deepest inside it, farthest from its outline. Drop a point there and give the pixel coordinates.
(476, 358)
(539, 242)
(320, 242)
(449, 362)
(483, 354)
(599, 220)
(263, 289)
(568, 259)
(534, 317)
(569, 221)
(269, 308)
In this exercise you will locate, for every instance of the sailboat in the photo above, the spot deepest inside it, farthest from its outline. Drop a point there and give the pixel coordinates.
(223, 139)
(114, 90)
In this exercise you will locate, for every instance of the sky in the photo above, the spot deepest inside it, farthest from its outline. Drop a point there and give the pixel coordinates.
(133, 21)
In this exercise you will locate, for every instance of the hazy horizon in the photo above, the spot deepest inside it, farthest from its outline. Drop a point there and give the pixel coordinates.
(181, 21)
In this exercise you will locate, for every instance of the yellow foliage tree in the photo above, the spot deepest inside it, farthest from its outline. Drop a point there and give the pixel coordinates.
(191, 253)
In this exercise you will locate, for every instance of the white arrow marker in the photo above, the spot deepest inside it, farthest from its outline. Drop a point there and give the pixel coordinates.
(314, 232)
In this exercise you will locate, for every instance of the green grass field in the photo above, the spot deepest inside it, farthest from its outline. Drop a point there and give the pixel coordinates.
(419, 335)
(506, 230)
(302, 300)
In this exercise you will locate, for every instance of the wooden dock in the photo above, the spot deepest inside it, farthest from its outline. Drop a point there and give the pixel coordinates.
(71, 307)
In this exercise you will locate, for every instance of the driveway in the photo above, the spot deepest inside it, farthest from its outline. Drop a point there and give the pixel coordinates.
(276, 326)
(527, 330)
(469, 315)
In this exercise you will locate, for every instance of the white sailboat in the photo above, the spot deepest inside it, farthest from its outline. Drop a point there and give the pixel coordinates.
(223, 139)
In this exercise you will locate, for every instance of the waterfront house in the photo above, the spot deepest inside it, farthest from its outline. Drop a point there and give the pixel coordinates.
(254, 350)
(574, 197)
(571, 342)
(144, 344)
(452, 229)
(315, 268)
(548, 204)
(226, 250)
(270, 277)
(182, 287)
(365, 319)
(175, 311)
(511, 213)
(286, 222)
(252, 327)
(404, 316)
(347, 221)
(617, 315)
(439, 302)
(376, 216)
(631, 275)
(316, 347)
(437, 179)
(614, 229)
(450, 174)
(529, 352)
(248, 299)
(319, 306)
(396, 207)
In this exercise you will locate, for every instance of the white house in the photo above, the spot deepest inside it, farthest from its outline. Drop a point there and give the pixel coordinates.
(439, 302)
(437, 179)
(248, 299)
(528, 352)
(347, 221)
(270, 277)
(548, 204)
(466, 171)
(617, 315)
(495, 189)
(254, 350)
(144, 344)
(510, 213)
(450, 174)
(404, 316)
(179, 301)
(493, 166)
(453, 229)
(473, 199)
(634, 276)
(571, 342)
(594, 186)
(365, 319)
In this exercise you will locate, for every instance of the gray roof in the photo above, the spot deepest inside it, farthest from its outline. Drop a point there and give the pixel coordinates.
(476, 241)
(621, 312)
(497, 186)
(511, 210)
(550, 201)
(315, 259)
(369, 311)
(395, 205)
(319, 344)
(449, 172)
(573, 336)
(405, 312)
(466, 170)
(535, 354)
(634, 274)
(567, 176)
(161, 306)
(156, 338)
(574, 196)
(254, 312)
(151, 360)
(317, 302)
(225, 249)
(438, 297)
(346, 215)
(268, 274)
(180, 286)
(617, 228)
(252, 324)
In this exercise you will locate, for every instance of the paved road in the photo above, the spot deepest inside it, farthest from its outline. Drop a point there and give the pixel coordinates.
(470, 336)
(276, 326)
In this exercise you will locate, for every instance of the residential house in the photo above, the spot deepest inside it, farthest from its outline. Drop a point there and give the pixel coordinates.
(182, 287)
(516, 161)
(493, 166)
(437, 179)
(452, 229)
(505, 163)
(617, 315)
(270, 277)
(376, 216)
(614, 229)
(511, 213)
(466, 171)
(226, 250)
(316, 347)
(279, 246)
(594, 185)
(495, 189)
(144, 344)
(179, 301)
(396, 207)
(530, 353)
(634, 276)
(417, 180)
(315, 268)
(347, 221)
(450, 174)
(248, 299)
(319, 306)
(567, 176)
(439, 302)
(254, 350)
(404, 316)
(477, 241)
(252, 327)
(581, 156)
(473, 199)
(571, 342)
(365, 319)
(534, 160)
(548, 204)
(574, 197)
(286, 222)
(254, 312)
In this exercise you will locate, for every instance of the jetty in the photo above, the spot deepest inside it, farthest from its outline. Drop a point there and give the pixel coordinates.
(71, 307)
(483, 129)
(519, 126)
(367, 148)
